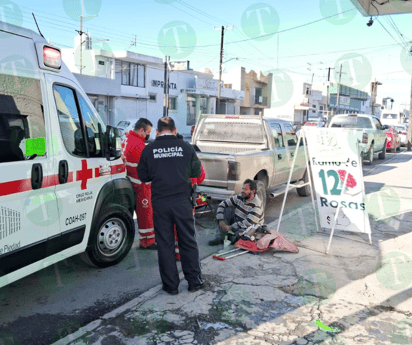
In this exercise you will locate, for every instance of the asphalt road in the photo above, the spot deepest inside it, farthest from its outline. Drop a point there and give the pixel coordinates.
(43, 307)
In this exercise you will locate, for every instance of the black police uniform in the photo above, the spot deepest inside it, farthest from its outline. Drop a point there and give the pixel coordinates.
(168, 163)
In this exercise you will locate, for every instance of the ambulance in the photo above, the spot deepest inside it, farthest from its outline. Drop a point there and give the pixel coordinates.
(63, 185)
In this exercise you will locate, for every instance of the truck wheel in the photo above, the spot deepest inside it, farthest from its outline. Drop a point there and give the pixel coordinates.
(261, 193)
(370, 155)
(111, 238)
(382, 155)
(305, 190)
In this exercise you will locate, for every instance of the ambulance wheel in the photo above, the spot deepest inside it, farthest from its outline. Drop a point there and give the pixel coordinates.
(305, 190)
(112, 237)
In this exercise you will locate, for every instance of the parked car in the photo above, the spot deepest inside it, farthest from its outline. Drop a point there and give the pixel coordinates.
(318, 124)
(391, 117)
(369, 131)
(233, 148)
(125, 126)
(403, 132)
(393, 139)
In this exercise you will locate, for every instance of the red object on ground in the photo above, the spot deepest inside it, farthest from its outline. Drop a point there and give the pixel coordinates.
(273, 240)
(350, 182)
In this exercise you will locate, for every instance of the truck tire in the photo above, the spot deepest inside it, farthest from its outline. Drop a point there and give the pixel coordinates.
(261, 193)
(370, 155)
(110, 238)
(305, 190)
(382, 155)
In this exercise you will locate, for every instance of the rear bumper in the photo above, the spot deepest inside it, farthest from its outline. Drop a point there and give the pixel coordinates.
(216, 193)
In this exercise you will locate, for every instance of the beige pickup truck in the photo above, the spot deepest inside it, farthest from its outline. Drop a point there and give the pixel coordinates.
(233, 148)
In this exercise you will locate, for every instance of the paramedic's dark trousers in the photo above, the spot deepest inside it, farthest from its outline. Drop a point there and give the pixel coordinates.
(167, 212)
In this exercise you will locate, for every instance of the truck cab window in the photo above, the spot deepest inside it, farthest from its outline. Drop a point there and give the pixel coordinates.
(277, 135)
(290, 136)
(22, 125)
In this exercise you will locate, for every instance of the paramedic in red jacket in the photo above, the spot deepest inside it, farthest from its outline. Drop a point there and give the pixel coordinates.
(132, 147)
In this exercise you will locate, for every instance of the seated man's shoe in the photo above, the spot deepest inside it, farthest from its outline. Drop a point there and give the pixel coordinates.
(151, 247)
(215, 242)
(170, 292)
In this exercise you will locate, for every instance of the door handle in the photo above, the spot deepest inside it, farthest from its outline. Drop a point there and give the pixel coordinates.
(279, 156)
(63, 171)
(36, 176)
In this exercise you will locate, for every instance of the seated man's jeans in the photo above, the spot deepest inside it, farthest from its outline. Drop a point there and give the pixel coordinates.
(229, 218)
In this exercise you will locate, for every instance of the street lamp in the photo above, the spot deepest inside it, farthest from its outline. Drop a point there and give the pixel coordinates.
(235, 58)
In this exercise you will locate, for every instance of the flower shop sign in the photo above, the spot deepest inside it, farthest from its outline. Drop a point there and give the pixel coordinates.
(338, 179)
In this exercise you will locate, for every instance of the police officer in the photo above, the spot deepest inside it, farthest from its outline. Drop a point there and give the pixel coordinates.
(169, 163)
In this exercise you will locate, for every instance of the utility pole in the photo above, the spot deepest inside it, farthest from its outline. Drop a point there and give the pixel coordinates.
(81, 35)
(410, 122)
(327, 94)
(338, 94)
(167, 87)
(165, 103)
(220, 64)
(374, 93)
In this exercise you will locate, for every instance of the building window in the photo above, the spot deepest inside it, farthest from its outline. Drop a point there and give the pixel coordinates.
(258, 95)
(173, 103)
(152, 97)
(133, 74)
(313, 108)
(203, 105)
(321, 108)
(125, 73)
(140, 76)
(191, 113)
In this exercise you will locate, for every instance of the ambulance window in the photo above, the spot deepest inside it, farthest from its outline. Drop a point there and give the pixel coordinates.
(91, 121)
(22, 126)
(70, 126)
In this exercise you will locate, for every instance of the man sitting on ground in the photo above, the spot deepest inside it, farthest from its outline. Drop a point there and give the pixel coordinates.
(238, 213)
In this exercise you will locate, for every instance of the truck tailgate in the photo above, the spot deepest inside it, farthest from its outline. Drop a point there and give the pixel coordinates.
(216, 168)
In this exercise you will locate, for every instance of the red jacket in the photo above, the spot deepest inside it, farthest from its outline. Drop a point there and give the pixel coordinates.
(132, 148)
(199, 179)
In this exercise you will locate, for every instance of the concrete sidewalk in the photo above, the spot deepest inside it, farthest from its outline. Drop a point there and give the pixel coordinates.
(362, 291)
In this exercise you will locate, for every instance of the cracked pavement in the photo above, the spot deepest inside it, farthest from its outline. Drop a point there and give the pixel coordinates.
(275, 297)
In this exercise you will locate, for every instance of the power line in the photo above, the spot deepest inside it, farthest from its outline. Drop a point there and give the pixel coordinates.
(377, 19)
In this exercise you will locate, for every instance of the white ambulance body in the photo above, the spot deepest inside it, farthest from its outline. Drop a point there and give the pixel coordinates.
(63, 186)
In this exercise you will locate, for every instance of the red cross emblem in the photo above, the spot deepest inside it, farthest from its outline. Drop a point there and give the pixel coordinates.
(84, 174)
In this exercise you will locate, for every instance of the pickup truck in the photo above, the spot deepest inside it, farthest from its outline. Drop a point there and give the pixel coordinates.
(233, 148)
(370, 133)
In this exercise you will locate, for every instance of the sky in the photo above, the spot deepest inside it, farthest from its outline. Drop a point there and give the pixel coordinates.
(300, 38)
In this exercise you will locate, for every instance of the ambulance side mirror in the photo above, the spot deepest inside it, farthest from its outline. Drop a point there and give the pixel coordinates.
(113, 142)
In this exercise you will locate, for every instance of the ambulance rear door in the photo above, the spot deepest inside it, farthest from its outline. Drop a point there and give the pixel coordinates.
(28, 207)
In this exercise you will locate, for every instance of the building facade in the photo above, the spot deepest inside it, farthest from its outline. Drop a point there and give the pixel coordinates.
(257, 89)
(124, 85)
